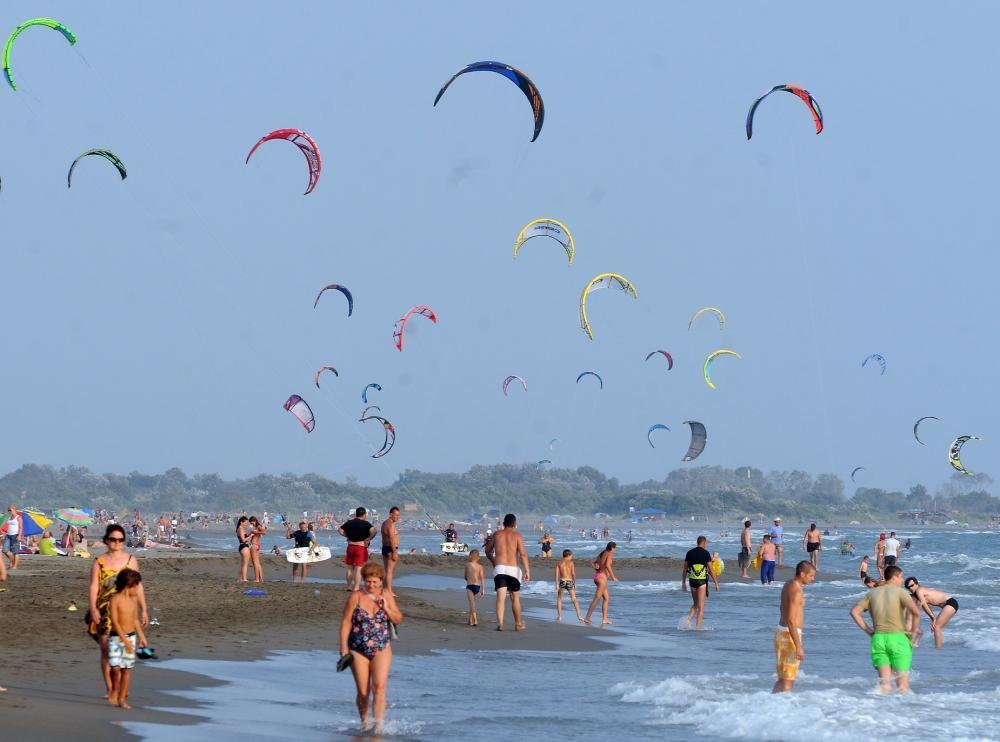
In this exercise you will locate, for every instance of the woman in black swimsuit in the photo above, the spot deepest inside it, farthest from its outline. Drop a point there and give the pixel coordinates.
(243, 547)
(546, 541)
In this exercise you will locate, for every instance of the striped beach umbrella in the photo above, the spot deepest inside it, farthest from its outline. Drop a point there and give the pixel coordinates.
(73, 516)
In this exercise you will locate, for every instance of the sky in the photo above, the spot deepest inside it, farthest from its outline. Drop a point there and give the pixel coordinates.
(162, 321)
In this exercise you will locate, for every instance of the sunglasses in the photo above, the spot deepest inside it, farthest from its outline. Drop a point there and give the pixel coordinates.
(115, 540)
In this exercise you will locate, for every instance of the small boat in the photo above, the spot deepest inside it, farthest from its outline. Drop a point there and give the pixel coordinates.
(451, 547)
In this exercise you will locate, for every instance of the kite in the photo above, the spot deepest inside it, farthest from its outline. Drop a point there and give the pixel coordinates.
(106, 154)
(546, 228)
(364, 392)
(917, 425)
(364, 414)
(649, 433)
(341, 289)
(856, 470)
(400, 328)
(543, 462)
(670, 361)
(54, 25)
(602, 281)
(801, 93)
(390, 435)
(875, 357)
(955, 452)
(718, 313)
(698, 438)
(552, 444)
(707, 369)
(324, 368)
(302, 411)
(591, 373)
(514, 75)
(305, 144)
(506, 383)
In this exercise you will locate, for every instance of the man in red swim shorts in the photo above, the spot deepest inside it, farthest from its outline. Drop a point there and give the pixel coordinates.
(359, 533)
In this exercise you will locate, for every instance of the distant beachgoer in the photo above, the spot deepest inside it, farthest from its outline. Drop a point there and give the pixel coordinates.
(603, 571)
(450, 534)
(566, 582)
(767, 553)
(891, 549)
(488, 547)
(103, 574)
(927, 597)
(475, 586)
(696, 573)
(126, 629)
(628, 536)
(243, 545)
(880, 554)
(11, 541)
(863, 569)
(746, 543)
(777, 534)
(390, 545)
(304, 538)
(259, 529)
(359, 533)
(506, 550)
(546, 541)
(895, 619)
(812, 542)
(789, 650)
(365, 637)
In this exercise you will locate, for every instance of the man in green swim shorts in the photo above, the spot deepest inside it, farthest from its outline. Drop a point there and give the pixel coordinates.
(892, 609)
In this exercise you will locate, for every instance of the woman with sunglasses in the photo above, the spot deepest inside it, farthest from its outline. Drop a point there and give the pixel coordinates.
(103, 574)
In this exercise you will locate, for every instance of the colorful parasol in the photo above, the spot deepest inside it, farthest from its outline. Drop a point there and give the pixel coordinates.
(34, 523)
(73, 516)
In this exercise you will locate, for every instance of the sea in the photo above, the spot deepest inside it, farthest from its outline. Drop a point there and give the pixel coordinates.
(657, 680)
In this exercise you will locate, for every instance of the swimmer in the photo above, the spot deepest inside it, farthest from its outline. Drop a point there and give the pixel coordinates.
(603, 571)
(788, 648)
(546, 541)
(566, 582)
(927, 597)
(863, 569)
(474, 586)
(697, 572)
(812, 542)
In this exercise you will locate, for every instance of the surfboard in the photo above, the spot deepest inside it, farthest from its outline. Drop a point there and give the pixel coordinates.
(308, 554)
(450, 547)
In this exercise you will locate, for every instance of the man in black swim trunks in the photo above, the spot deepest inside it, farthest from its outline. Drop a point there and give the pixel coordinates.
(812, 542)
(505, 550)
(697, 570)
(390, 546)
(746, 543)
(927, 597)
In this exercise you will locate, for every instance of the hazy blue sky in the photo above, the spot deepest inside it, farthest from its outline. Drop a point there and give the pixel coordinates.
(164, 320)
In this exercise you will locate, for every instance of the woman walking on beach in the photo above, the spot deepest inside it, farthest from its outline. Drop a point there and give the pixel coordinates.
(364, 638)
(103, 574)
(243, 546)
(259, 529)
(603, 571)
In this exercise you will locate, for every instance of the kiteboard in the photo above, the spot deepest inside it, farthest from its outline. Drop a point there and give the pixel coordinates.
(450, 547)
(308, 554)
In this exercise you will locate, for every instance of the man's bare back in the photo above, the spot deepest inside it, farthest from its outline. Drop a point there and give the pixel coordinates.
(508, 546)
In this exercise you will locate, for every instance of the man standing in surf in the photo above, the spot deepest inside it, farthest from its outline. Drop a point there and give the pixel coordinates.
(506, 549)
(777, 534)
(696, 573)
(746, 543)
(789, 650)
(812, 542)
(390, 546)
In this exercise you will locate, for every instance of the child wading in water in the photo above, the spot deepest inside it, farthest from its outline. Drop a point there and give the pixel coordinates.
(125, 627)
(473, 584)
(566, 581)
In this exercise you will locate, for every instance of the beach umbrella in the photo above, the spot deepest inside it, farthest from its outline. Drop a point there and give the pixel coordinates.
(73, 516)
(34, 523)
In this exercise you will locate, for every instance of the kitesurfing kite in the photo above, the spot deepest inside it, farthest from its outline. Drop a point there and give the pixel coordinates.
(542, 462)
(506, 383)
(106, 154)
(546, 228)
(364, 414)
(400, 328)
(305, 144)
(698, 438)
(341, 289)
(879, 358)
(716, 311)
(591, 373)
(955, 452)
(515, 76)
(602, 281)
(49, 23)
(707, 370)
(856, 470)
(390, 435)
(552, 444)
(917, 425)
(670, 361)
(364, 392)
(324, 368)
(649, 433)
(804, 95)
(302, 411)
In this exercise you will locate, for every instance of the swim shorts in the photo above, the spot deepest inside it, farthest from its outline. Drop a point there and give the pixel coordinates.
(893, 650)
(811, 547)
(357, 555)
(890, 561)
(785, 661)
(570, 585)
(695, 584)
(512, 584)
(474, 589)
(744, 558)
(386, 551)
(117, 654)
(953, 603)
